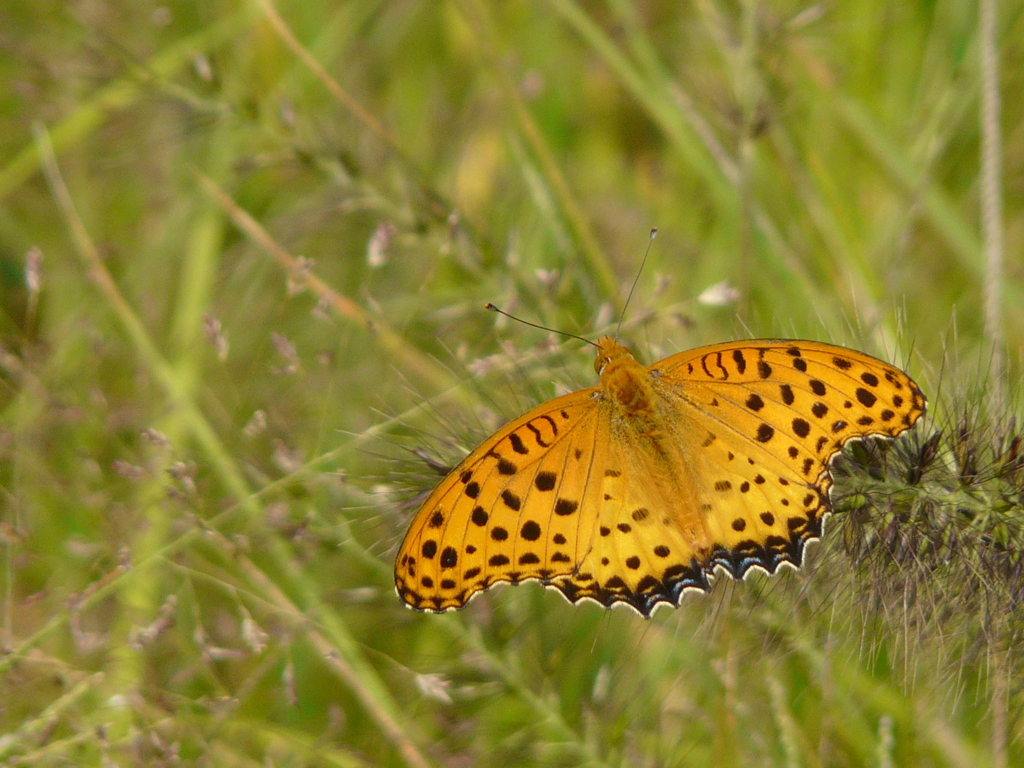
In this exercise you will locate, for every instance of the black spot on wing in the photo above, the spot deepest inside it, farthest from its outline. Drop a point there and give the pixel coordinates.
(741, 363)
(718, 363)
(787, 393)
(449, 558)
(565, 507)
(530, 530)
(704, 367)
(545, 481)
(867, 399)
(537, 436)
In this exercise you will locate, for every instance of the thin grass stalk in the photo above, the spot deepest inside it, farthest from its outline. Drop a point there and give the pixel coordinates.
(111, 581)
(683, 136)
(347, 100)
(991, 187)
(58, 751)
(34, 728)
(199, 271)
(140, 595)
(862, 690)
(468, 636)
(118, 96)
(789, 732)
(598, 264)
(364, 681)
(940, 212)
(407, 356)
(1001, 671)
(886, 742)
(438, 206)
(336, 646)
(676, 114)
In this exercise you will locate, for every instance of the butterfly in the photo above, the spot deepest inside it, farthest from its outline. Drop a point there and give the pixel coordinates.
(636, 490)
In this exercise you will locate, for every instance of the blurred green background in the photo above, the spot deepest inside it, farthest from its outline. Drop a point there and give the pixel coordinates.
(245, 250)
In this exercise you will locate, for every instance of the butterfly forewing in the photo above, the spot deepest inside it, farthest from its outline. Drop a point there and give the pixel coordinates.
(518, 507)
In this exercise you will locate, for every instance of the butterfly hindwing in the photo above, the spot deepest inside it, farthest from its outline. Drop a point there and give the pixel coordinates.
(643, 553)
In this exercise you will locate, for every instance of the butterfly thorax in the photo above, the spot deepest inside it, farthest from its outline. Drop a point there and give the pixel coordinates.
(624, 381)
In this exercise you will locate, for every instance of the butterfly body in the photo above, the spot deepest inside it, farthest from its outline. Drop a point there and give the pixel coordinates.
(634, 491)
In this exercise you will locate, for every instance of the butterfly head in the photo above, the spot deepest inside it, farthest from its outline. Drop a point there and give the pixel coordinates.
(609, 352)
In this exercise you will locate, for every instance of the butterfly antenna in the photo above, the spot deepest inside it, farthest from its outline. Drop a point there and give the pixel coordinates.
(654, 233)
(534, 325)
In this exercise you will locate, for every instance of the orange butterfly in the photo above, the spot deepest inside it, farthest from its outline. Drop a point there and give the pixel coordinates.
(635, 490)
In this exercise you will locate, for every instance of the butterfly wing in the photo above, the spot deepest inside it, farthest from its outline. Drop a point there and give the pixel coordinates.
(521, 506)
(767, 418)
(751, 428)
(651, 544)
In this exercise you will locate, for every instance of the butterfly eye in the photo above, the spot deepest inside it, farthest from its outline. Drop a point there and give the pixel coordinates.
(600, 363)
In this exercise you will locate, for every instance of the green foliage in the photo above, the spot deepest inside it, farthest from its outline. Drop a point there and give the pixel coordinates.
(260, 320)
